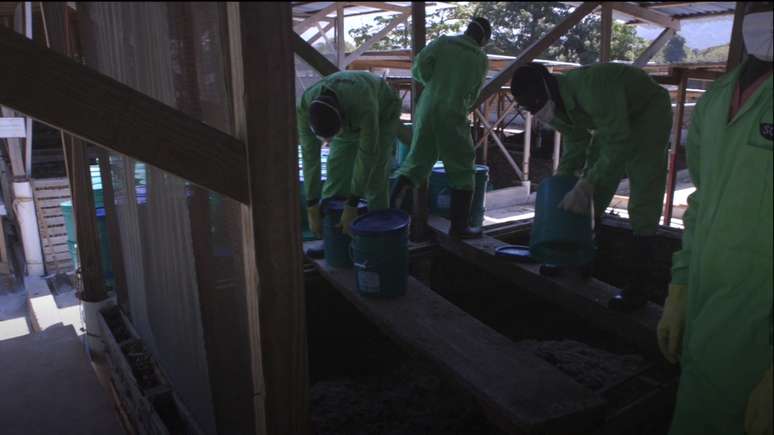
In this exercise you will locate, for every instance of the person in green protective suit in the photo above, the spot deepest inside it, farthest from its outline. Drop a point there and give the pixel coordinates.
(717, 319)
(615, 121)
(358, 114)
(452, 70)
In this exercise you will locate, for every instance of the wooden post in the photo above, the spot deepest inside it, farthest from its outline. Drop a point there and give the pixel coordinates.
(85, 221)
(736, 49)
(606, 33)
(527, 145)
(269, 132)
(341, 47)
(676, 137)
(419, 228)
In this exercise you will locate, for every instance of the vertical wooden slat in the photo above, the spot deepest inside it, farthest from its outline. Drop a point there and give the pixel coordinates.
(736, 49)
(606, 33)
(269, 132)
(85, 222)
(419, 228)
(676, 137)
(341, 47)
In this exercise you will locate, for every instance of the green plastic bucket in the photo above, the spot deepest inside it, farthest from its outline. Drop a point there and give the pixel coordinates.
(336, 242)
(440, 195)
(559, 237)
(380, 253)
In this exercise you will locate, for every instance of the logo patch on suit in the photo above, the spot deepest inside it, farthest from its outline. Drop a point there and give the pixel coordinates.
(767, 130)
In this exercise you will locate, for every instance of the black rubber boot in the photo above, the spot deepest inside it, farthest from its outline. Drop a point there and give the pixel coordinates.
(402, 188)
(637, 292)
(459, 214)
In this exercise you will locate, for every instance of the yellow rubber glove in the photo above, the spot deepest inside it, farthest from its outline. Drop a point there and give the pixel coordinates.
(757, 418)
(672, 322)
(347, 216)
(315, 220)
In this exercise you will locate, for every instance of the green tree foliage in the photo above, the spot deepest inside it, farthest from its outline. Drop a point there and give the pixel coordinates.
(517, 25)
(674, 51)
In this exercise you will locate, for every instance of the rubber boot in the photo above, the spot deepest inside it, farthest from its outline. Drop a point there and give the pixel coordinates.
(636, 294)
(402, 188)
(459, 214)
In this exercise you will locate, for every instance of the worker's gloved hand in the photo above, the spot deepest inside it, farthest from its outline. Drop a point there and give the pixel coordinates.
(757, 418)
(578, 200)
(315, 220)
(670, 326)
(347, 216)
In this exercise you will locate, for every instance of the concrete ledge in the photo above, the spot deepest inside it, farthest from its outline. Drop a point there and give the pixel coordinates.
(507, 197)
(43, 311)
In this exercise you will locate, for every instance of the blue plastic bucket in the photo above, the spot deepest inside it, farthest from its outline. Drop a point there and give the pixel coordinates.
(336, 242)
(559, 237)
(440, 195)
(380, 252)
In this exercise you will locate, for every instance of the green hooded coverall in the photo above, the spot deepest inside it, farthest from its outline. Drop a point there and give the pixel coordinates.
(631, 118)
(361, 154)
(452, 70)
(726, 261)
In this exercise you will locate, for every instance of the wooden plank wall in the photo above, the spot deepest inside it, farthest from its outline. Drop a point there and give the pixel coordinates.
(48, 194)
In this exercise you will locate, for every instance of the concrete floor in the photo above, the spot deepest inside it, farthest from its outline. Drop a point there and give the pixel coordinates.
(49, 386)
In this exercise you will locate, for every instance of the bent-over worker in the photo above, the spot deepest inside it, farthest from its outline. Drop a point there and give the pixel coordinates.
(358, 114)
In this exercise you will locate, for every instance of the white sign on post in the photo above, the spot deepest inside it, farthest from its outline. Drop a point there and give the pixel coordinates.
(12, 127)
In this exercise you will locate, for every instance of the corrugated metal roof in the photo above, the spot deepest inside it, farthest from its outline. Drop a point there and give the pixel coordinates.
(308, 8)
(691, 10)
(679, 10)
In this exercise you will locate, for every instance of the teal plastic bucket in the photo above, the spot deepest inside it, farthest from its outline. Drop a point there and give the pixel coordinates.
(440, 195)
(402, 151)
(559, 237)
(336, 242)
(380, 253)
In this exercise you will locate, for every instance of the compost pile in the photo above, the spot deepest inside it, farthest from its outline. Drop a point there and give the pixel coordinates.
(411, 399)
(593, 368)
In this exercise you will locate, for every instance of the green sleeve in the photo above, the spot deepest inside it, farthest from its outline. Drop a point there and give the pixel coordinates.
(368, 156)
(575, 143)
(682, 258)
(611, 117)
(310, 155)
(422, 71)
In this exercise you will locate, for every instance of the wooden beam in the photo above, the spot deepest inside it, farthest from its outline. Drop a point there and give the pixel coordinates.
(606, 33)
(85, 222)
(421, 211)
(534, 50)
(18, 169)
(322, 32)
(675, 145)
(310, 55)
(374, 39)
(586, 298)
(272, 161)
(736, 49)
(654, 48)
(645, 14)
(382, 6)
(313, 19)
(521, 393)
(60, 92)
(341, 47)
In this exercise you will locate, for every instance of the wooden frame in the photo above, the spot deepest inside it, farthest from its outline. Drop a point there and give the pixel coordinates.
(654, 47)
(535, 49)
(606, 33)
(646, 14)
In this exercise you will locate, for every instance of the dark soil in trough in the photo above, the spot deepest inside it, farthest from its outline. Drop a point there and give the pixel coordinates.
(362, 383)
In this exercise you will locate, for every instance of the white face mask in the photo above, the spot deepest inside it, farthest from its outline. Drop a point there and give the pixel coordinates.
(757, 31)
(546, 113)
